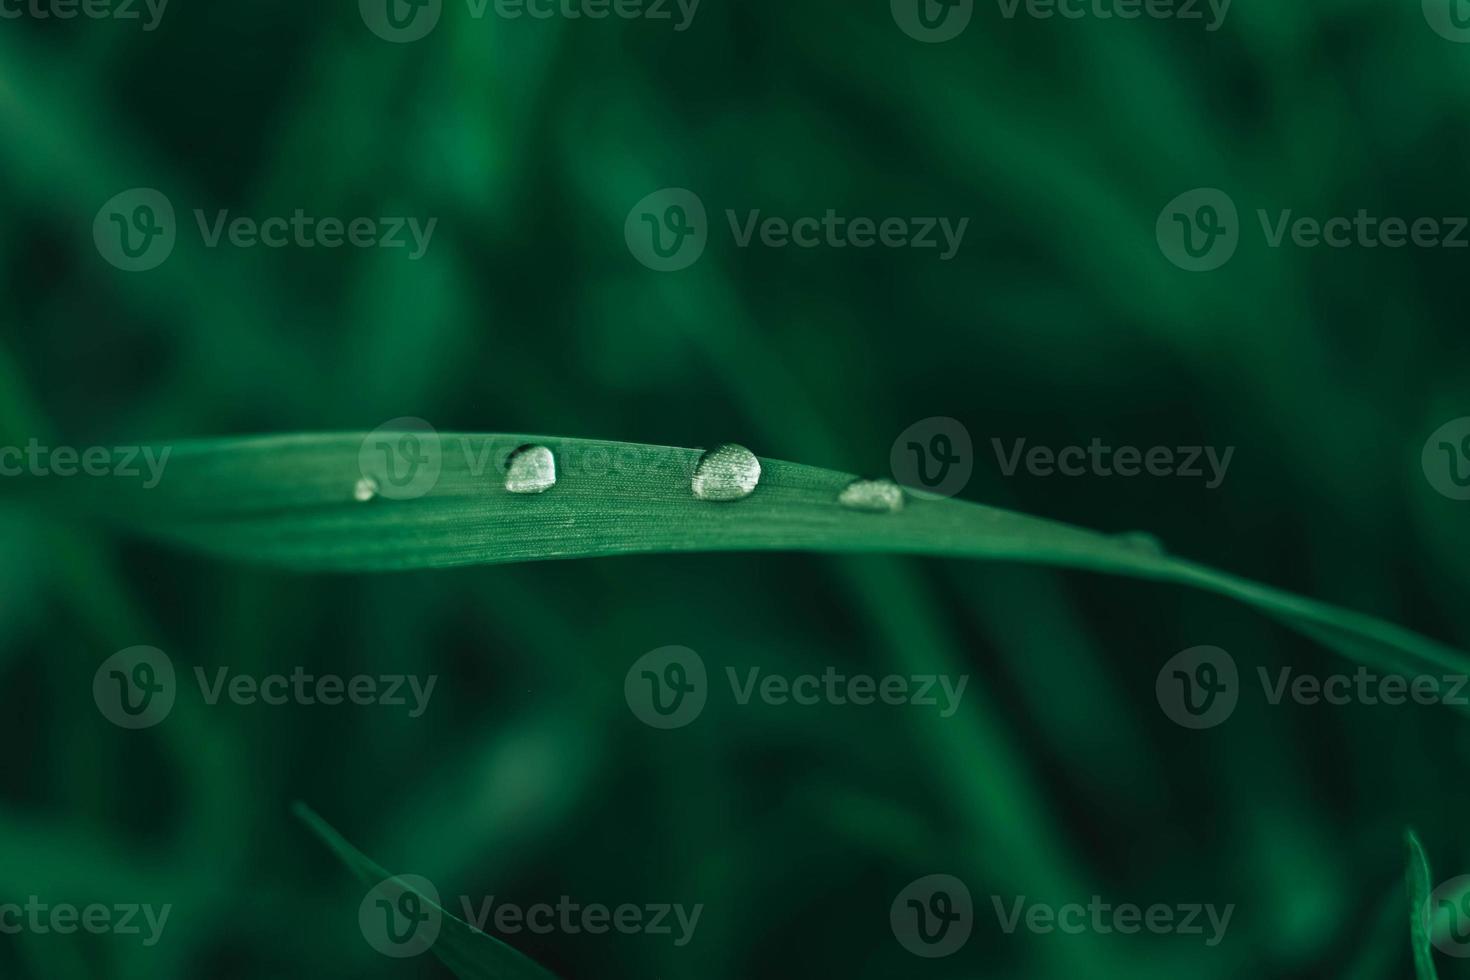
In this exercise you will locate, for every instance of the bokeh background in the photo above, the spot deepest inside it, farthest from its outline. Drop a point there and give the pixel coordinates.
(1059, 321)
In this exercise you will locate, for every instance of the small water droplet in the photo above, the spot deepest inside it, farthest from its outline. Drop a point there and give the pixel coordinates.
(366, 489)
(530, 469)
(727, 472)
(873, 496)
(1141, 541)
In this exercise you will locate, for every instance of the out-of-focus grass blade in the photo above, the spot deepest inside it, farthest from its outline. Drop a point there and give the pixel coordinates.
(469, 953)
(1419, 922)
(290, 501)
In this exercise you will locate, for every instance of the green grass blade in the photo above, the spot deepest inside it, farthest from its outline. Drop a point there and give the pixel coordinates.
(288, 501)
(1419, 925)
(468, 953)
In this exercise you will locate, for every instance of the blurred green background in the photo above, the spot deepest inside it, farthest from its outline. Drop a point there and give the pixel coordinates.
(1059, 321)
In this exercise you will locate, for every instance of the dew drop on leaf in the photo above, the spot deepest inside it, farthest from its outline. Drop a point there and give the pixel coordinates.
(873, 496)
(727, 472)
(530, 469)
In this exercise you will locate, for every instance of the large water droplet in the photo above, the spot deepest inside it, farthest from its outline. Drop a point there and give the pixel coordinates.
(365, 490)
(530, 469)
(873, 496)
(729, 472)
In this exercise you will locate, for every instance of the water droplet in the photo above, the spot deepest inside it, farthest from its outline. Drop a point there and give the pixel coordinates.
(530, 469)
(873, 496)
(366, 489)
(728, 472)
(1141, 541)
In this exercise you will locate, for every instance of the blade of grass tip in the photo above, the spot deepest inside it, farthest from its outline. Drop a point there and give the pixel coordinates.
(292, 501)
(468, 953)
(1419, 924)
